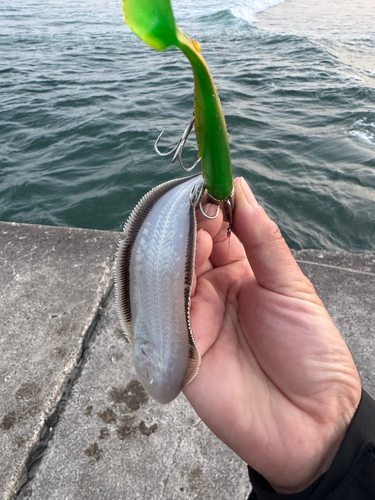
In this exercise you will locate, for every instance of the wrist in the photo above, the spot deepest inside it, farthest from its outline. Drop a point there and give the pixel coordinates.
(290, 487)
(319, 460)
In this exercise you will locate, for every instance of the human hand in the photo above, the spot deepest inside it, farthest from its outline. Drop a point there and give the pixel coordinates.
(277, 382)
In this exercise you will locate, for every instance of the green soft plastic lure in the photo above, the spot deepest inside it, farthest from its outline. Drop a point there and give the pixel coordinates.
(153, 21)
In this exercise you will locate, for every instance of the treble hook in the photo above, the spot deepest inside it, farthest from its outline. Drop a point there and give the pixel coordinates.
(226, 206)
(196, 196)
(177, 150)
(157, 149)
(197, 192)
(206, 215)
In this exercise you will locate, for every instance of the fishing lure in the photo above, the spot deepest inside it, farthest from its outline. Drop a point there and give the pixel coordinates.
(153, 21)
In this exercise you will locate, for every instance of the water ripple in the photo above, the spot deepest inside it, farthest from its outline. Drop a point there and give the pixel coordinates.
(82, 101)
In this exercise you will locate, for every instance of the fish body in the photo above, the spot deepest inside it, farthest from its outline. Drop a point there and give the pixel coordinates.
(154, 274)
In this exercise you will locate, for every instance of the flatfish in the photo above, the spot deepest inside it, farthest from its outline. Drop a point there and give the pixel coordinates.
(153, 277)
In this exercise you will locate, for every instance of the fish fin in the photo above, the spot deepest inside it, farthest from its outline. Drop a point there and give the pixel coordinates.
(192, 366)
(194, 356)
(122, 290)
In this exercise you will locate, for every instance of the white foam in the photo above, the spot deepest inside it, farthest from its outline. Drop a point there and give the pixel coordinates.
(364, 130)
(363, 123)
(366, 137)
(243, 9)
(247, 10)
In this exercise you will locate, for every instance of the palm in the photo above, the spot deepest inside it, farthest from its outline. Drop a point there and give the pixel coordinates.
(270, 379)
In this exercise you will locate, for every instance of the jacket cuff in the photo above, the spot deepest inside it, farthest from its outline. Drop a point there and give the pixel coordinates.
(355, 451)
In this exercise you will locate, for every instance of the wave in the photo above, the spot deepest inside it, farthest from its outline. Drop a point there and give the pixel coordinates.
(242, 9)
(364, 131)
(248, 10)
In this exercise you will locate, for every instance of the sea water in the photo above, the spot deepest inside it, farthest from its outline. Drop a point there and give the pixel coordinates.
(82, 101)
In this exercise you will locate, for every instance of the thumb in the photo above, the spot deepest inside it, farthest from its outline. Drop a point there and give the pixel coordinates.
(269, 256)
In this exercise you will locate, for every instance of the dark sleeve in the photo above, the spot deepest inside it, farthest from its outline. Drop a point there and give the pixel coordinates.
(352, 473)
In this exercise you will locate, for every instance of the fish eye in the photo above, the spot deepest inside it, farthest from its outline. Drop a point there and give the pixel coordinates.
(143, 350)
(144, 360)
(144, 353)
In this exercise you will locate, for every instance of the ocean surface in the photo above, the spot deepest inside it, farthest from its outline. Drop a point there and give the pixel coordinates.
(82, 101)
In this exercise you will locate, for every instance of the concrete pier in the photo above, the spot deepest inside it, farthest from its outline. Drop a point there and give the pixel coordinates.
(74, 421)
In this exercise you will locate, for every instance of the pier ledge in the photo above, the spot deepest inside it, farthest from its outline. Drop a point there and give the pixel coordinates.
(74, 421)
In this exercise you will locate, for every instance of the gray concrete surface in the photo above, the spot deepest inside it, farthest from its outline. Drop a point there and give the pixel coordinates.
(107, 439)
(52, 283)
(346, 285)
(115, 443)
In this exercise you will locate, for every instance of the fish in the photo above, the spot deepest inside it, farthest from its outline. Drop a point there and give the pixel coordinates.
(153, 279)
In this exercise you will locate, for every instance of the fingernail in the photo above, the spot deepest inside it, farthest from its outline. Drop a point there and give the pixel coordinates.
(248, 193)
